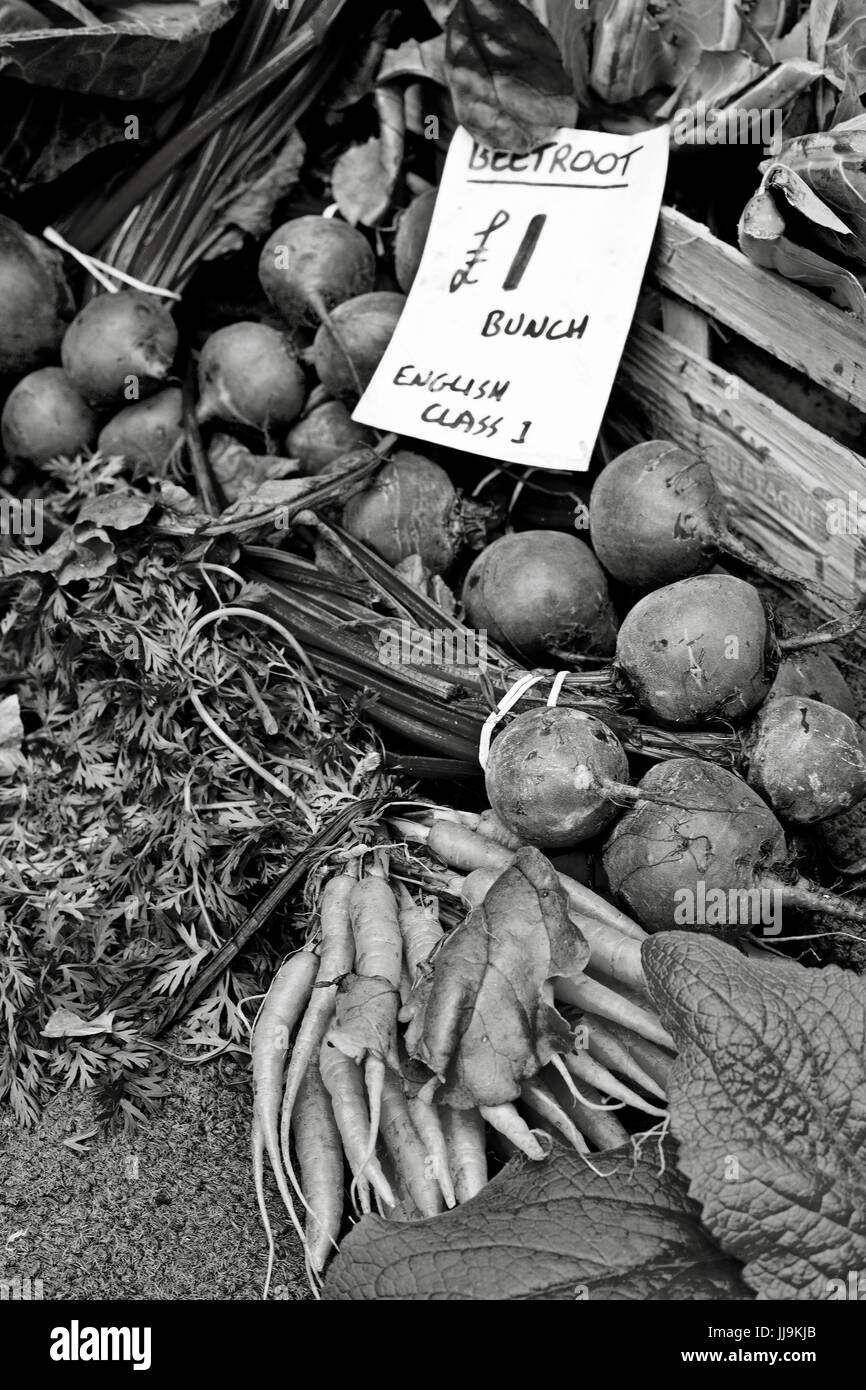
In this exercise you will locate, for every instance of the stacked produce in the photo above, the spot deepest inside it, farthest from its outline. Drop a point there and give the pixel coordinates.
(279, 645)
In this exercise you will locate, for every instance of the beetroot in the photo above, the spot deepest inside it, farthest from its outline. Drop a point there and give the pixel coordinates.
(313, 263)
(324, 435)
(44, 417)
(248, 374)
(697, 651)
(815, 675)
(806, 759)
(541, 595)
(37, 303)
(656, 515)
(347, 349)
(551, 774)
(714, 859)
(413, 224)
(147, 434)
(410, 508)
(119, 348)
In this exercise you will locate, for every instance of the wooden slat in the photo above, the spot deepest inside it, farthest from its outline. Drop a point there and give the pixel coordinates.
(776, 471)
(791, 323)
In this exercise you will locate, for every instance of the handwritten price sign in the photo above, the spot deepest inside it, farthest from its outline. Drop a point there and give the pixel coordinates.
(512, 334)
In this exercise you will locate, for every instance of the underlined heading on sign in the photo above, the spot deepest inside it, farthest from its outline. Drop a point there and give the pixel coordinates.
(515, 324)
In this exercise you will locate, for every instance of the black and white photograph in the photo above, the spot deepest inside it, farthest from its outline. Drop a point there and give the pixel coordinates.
(432, 684)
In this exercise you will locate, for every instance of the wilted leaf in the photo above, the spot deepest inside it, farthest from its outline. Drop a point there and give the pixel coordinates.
(844, 54)
(82, 551)
(119, 509)
(631, 55)
(250, 212)
(416, 61)
(505, 75)
(833, 166)
(571, 28)
(239, 472)
(63, 1023)
(140, 50)
(45, 133)
(481, 1023)
(768, 1102)
(553, 1231)
(361, 184)
(366, 1019)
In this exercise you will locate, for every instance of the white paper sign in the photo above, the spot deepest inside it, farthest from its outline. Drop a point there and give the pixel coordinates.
(512, 334)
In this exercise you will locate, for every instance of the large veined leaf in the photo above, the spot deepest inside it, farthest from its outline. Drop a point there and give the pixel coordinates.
(139, 51)
(768, 1103)
(504, 72)
(838, 40)
(630, 54)
(554, 1231)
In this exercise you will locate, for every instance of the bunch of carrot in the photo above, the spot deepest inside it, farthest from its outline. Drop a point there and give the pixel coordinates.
(330, 1080)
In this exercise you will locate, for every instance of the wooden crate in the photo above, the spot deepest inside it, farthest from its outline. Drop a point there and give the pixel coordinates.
(778, 472)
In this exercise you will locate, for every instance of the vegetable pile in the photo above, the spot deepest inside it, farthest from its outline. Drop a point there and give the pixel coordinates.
(507, 799)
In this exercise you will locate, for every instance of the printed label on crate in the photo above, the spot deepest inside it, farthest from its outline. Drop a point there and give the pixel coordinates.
(514, 327)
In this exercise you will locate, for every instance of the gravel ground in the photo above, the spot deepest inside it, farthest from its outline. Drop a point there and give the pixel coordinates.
(168, 1213)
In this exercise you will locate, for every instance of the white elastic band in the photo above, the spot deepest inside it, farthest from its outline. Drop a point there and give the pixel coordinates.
(558, 682)
(510, 698)
(95, 267)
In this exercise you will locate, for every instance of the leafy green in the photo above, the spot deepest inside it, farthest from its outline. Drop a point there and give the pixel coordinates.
(505, 75)
(768, 1103)
(134, 840)
(143, 51)
(554, 1231)
(481, 1022)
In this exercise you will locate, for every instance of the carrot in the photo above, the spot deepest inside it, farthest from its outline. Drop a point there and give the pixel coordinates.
(539, 1099)
(320, 1159)
(586, 1069)
(599, 999)
(595, 1122)
(407, 1151)
(342, 1080)
(467, 1151)
(277, 1017)
(428, 1122)
(606, 1047)
(378, 956)
(419, 927)
(508, 1120)
(336, 956)
(612, 938)
(654, 1061)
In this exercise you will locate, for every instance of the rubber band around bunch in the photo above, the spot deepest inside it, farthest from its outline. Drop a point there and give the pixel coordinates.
(510, 699)
(101, 270)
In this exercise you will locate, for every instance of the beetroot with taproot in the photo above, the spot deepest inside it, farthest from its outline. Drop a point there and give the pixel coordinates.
(413, 508)
(714, 859)
(119, 348)
(805, 758)
(325, 434)
(147, 434)
(552, 774)
(700, 650)
(37, 303)
(816, 676)
(248, 374)
(44, 417)
(348, 347)
(413, 224)
(541, 595)
(656, 515)
(309, 265)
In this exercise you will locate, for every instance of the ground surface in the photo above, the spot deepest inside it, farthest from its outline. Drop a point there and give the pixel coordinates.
(169, 1213)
